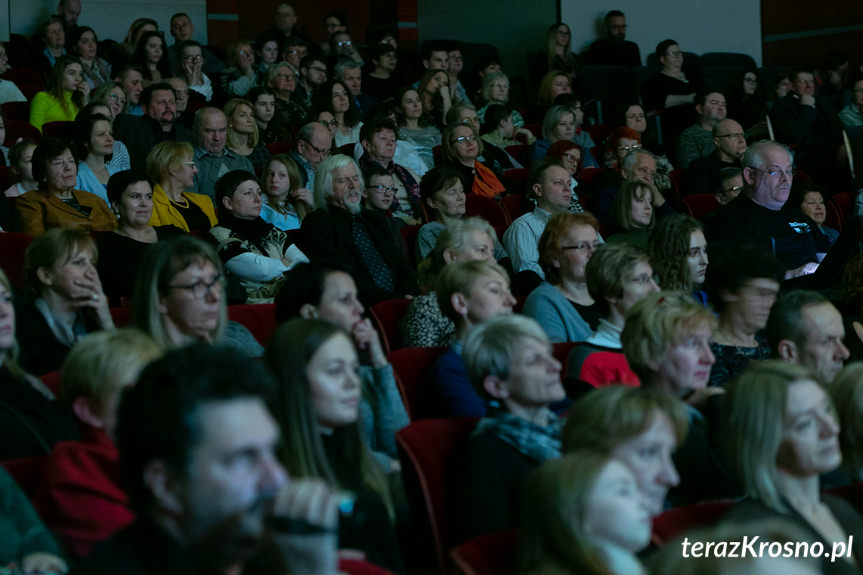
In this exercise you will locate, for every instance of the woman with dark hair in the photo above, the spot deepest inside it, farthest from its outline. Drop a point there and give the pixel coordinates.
(240, 76)
(633, 214)
(630, 114)
(434, 92)
(85, 45)
(318, 409)
(151, 56)
(334, 97)
(57, 204)
(670, 90)
(811, 199)
(21, 167)
(746, 102)
(743, 286)
(67, 92)
(286, 202)
(95, 140)
(416, 126)
(678, 253)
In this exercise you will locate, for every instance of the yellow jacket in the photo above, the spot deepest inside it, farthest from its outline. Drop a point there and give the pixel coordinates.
(164, 214)
(39, 211)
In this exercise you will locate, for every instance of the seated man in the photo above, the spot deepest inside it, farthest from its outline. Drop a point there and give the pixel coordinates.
(760, 211)
(197, 446)
(614, 49)
(212, 158)
(314, 142)
(133, 82)
(350, 72)
(702, 175)
(360, 241)
(638, 165)
(698, 140)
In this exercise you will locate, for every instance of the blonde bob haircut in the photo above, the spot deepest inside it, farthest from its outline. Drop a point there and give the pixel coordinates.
(453, 240)
(104, 363)
(324, 177)
(234, 139)
(460, 277)
(608, 417)
(448, 140)
(609, 269)
(161, 262)
(54, 247)
(553, 538)
(754, 412)
(657, 322)
(489, 348)
(167, 158)
(847, 394)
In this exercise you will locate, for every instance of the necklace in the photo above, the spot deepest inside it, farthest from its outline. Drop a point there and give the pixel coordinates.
(183, 204)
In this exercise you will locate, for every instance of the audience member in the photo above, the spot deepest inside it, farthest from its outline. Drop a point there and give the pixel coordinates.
(558, 124)
(455, 65)
(729, 187)
(240, 74)
(633, 214)
(285, 201)
(378, 138)
(747, 104)
(183, 30)
(242, 134)
(671, 91)
(69, 11)
(9, 92)
(558, 53)
(314, 145)
(334, 97)
(380, 83)
(67, 93)
(130, 78)
(350, 73)
(313, 74)
(614, 49)
(433, 89)
(678, 253)
(852, 114)
(84, 44)
(415, 126)
(212, 157)
(703, 174)
(94, 142)
(630, 114)
(699, 139)
(461, 148)
(190, 66)
(171, 165)
(113, 95)
(50, 37)
(21, 168)
(811, 199)
(151, 57)
(267, 51)
(846, 392)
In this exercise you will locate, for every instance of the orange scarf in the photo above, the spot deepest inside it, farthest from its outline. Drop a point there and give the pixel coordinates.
(485, 183)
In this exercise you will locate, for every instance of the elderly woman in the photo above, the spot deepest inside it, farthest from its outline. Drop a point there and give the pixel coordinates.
(782, 435)
(416, 126)
(256, 252)
(846, 391)
(495, 90)
(190, 67)
(179, 298)
(81, 498)
(509, 361)
(461, 149)
(51, 37)
(288, 111)
(604, 536)
(151, 56)
(558, 124)
(242, 137)
(811, 199)
(316, 292)
(424, 325)
(469, 294)
(562, 304)
(743, 286)
(67, 301)
(172, 166)
(678, 251)
(633, 214)
(95, 140)
(240, 76)
(85, 45)
(666, 340)
(57, 204)
(120, 251)
(334, 97)
(67, 92)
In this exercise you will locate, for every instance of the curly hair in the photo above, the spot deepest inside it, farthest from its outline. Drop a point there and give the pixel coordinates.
(668, 246)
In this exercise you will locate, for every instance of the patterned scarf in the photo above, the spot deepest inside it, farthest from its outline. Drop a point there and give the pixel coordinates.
(534, 441)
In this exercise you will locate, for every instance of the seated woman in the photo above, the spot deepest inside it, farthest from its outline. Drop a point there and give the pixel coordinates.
(415, 126)
(743, 284)
(495, 91)
(240, 75)
(433, 89)
(811, 198)
(670, 90)
(633, 214)
(57, 204)
(638, 427)
(179, 298)
(558, 124)
(67, 301)
(509, 360)
(81, 498)
(113, 95)
(50, 38)
(461, 149)
(424, 325)
(747, 104)
(561, 304)
(314, 291)
(469, 294)
(678, 251)
(846, 391)
(172, 166)
(782, 435)
(67, 93)
(552, 85)
(151, 57)
(499, 130)
(335, 98)
(85, 45)
(33, 419)
(286, 202)
(21, 167)
(242, 137)
(607, 532)
(256, 252)
(118, 159)
(617, 276)
(317, 407)
(190, 67)
(120, 251)
(95, 142)
(630, 114)
(666, 340)
(494, 156)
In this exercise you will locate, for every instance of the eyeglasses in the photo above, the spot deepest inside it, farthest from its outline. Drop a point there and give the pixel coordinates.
(734, 189)
(563, 33)
(382, 188)
(285, 76)
(328, 124)
(472, 120)
(202, 289)
(464, 139)
(581, 246)
(629, 148)
(673, 54)
(344, 43)
(189, 164)
(322, 151)
(195, 58)
(775, 173)
(732, 135)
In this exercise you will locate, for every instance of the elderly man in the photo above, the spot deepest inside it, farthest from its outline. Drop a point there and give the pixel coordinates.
(212, 158)
(805, 328)
(697, 140)
(637, 165)
(378, 138)
(614, 49)
(183, 30)
(158, 124)
(340, 232)
(760, 211)
(350, 72)
(702, 175)
(197, 450)
(314, 145)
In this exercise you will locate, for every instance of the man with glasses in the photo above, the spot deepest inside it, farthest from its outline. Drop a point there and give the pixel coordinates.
(313, 73)
(314, 145)
(455, 65)
(614, 49)
(702, 175)
(378, 138)
(182, 30)
(760, 211)
(697, 140)
(293, 51)
(212, 158)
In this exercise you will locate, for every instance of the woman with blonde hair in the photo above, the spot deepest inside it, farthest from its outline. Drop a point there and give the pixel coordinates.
(171, 167)
(582, 514)
(558, 51)
(782, 436)
(242, 136)
(67, 92)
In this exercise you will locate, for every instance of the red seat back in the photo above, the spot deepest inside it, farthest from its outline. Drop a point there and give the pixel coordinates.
(52, 381)
(62, 130)
(260, 319)
(409, 237)
(699, 205)
(490, 554)
(674, 522)
(515, 206)
(410, 365)
(18, 111)
(12, 247)
(16, 129)
(27, 473)
(430, 451)
(840, 207)
(853, 494)
(561, 353)
(276, 148)
(122, 316)
(518, 177)
(488, 209)
(386, 315)
(588, 174)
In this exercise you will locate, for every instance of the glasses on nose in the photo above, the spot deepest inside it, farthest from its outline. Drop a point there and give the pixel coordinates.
(735, 189)
(464, 140)
(197, 58)
(382, 188)
(322, 151)
(328, 124)
(285, 76)
(775, 173)
(629, 148)
(202, 289)
(673, 54)
(582, 246)
(345, 43)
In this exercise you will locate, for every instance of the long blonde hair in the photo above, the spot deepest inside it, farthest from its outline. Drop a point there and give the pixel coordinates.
(234, 138)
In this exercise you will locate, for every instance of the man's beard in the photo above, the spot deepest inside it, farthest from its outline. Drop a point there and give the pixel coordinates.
(354, 207)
